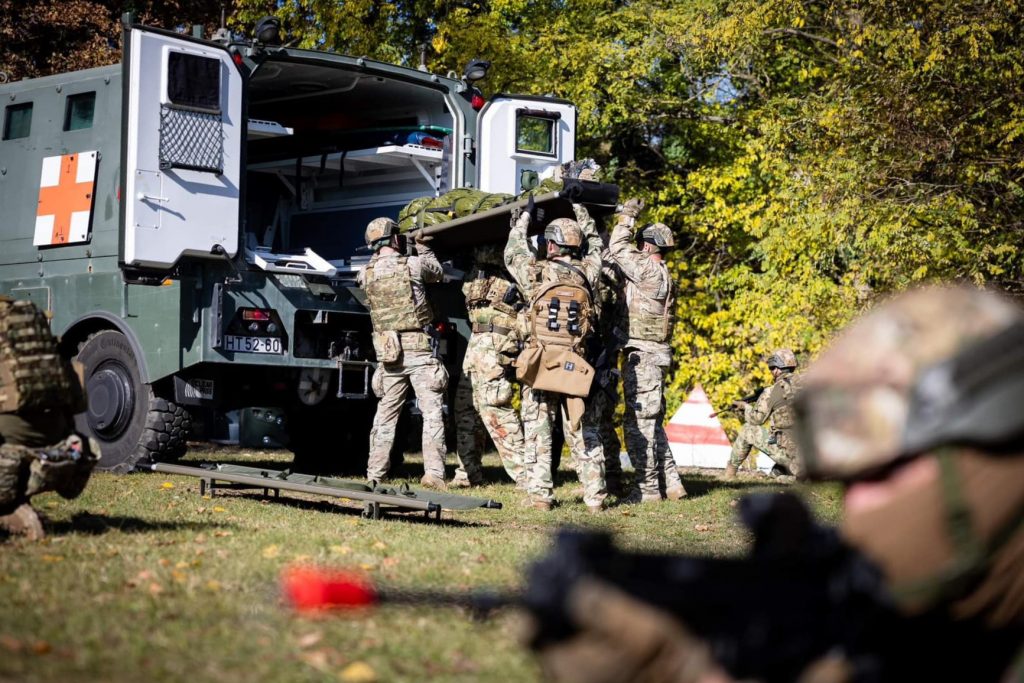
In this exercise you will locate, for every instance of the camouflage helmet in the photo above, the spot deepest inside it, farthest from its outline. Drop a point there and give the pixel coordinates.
(565, 232)
(658, 234)
(932, 367)
(380, 229)
(784, 359)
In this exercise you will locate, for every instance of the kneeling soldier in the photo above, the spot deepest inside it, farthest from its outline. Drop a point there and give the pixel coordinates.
(769, 422)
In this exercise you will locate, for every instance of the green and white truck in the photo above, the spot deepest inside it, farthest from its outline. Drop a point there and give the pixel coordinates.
(192, 219)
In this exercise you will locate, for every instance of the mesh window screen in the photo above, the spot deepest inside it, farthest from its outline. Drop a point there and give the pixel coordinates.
(191, 139)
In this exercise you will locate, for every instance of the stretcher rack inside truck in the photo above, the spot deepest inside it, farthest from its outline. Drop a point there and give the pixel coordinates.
(192, 220)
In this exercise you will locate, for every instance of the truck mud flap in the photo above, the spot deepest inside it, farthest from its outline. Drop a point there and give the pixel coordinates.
(374, 499)
(492, 226)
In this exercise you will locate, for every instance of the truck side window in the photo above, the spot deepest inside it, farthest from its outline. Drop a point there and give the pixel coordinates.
(193, 81)
(79, 111)
(18, 121)
(535, 135)
(191, 125)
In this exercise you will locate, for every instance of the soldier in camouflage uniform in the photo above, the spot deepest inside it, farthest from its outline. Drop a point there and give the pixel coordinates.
(916, 409)
(565, 239)
(649, 302)
(768, 423)
(610, 338)
(39, 396)
(470, 436)
(491, 301)
(395, 287)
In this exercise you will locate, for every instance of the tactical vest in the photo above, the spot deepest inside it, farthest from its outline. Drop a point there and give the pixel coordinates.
(490, 297)
(393, 306)
(562, 311)
(650, 319)
(33, 376)
(783, 416)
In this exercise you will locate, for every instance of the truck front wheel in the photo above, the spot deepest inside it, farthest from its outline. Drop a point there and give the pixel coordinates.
(131, 421)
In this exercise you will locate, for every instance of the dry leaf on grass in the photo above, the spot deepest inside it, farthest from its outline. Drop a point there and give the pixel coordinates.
(271, 551)
(310, 639)
(167, 485)
(358, 672)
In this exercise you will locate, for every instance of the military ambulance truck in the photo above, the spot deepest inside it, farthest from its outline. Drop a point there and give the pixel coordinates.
(192, 219)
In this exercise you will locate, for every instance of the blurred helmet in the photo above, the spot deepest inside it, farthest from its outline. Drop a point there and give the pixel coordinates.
(932, 367)
(783, 359)
(658, 234)
(380, 230)
(565, 232)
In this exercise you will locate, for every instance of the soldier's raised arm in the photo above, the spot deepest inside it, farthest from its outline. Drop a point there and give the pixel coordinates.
(621, 249)
(426, 262)
(592, 257)
(518, 258)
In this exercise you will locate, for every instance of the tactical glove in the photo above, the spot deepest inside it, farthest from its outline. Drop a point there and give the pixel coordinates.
(631, 208)
(621, 640)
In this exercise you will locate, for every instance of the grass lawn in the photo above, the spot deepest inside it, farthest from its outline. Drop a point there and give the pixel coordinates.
(143, 579)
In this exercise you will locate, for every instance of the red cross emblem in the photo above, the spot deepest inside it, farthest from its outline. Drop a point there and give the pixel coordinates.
(65, 198)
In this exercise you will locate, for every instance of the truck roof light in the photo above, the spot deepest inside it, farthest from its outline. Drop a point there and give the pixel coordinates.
(236, 57)
(477, 102)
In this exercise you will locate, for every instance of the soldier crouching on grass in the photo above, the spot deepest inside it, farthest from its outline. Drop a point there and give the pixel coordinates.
(39, 396)
(768, 423)
(649, 303)
(395, 287)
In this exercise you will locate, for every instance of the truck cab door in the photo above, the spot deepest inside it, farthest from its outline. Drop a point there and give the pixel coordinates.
(521, 140)
(183, 150)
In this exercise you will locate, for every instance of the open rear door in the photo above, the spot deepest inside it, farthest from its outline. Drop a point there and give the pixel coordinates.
(520, 140)
(183, 138)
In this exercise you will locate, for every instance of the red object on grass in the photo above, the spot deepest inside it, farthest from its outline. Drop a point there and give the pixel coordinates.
(313, 588)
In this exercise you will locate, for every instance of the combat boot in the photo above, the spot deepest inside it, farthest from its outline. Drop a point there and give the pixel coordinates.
(636, 497)
(676, 493)
(730, 472)
(23, 522)
(433, 482)
(595, 509)
(463, 483)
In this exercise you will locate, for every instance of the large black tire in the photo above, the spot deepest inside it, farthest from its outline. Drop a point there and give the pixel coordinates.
(132, 423)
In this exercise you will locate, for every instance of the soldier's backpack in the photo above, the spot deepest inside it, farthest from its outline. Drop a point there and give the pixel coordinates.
(33, 376)
(558, 321)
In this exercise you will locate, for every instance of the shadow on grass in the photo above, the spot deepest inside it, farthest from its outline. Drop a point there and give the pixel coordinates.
(96, 525)
(701, 485)
(330, 507)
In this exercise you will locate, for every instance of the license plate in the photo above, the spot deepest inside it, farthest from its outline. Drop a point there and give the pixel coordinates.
(252, 344)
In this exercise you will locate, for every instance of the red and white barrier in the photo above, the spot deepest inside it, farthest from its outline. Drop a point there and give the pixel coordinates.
(697, 439)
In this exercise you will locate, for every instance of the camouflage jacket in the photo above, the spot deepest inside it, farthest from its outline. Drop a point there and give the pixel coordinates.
(408, 304)
(648, 290)
(529, 272)
(774, 405)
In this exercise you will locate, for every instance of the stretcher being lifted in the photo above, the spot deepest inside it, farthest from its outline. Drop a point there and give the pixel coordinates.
(376, 499)
(492, 226)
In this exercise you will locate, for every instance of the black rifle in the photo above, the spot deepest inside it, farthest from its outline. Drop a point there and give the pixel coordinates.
(802, 593)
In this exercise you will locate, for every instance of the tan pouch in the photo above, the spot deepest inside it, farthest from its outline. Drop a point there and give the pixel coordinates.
(388, 346)
(527, 364)
(560, 370)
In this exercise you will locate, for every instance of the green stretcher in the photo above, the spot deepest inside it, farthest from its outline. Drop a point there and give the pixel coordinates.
(375, 499)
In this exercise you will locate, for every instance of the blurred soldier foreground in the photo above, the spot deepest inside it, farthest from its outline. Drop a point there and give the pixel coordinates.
(917, 408)
(768, 423)
(395, 288)
(39, 396)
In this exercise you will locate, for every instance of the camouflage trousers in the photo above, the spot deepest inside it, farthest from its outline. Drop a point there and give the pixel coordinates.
(780, 449)
(63, 467)
(540, 410)
(603, 402)
(429, 379)
(486, 404)
(643, 384)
